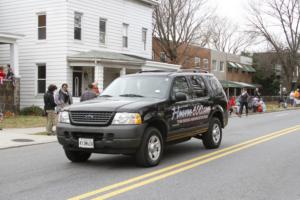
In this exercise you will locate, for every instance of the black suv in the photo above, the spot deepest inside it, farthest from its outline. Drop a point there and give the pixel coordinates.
(139, 114)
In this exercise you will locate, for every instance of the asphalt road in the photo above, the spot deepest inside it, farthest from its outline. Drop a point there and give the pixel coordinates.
(250, 164)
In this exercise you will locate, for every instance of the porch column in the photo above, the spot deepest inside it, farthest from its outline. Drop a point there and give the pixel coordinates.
(123, 71)
(14, 58)
(99, 76)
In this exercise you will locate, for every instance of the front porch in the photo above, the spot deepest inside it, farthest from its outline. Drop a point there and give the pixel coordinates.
(13, 58)
(10, 89)
(103, 67)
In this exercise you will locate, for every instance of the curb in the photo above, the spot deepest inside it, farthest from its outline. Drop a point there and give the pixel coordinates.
(26, 145)
(250, 114)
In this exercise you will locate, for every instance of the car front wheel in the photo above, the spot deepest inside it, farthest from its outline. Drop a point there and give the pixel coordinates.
(77, 156)
(212, 139)
(151, 149)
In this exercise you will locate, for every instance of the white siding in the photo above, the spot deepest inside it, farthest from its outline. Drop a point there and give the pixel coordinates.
(137, 15)
(219, 57)
(4, 54)
(20, 16)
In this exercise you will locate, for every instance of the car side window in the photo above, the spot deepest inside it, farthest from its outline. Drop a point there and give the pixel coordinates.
(181, 85)
(215, 85)
(199, 87)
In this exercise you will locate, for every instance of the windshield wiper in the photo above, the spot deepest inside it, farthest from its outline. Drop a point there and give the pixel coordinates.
(130, 95)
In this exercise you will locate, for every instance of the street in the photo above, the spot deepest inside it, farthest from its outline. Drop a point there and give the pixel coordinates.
(258, 159)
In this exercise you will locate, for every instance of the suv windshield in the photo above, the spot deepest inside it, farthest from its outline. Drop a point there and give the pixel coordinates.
(138, 86)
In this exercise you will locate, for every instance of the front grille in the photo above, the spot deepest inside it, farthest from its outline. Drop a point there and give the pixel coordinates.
(91, 118)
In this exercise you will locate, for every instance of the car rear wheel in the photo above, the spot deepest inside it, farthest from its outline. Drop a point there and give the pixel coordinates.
(77, 156)
(151, 149)
(212, 139)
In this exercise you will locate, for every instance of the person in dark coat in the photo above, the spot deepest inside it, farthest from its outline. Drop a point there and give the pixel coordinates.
(50, 109)
(243, 102)
(88, 94)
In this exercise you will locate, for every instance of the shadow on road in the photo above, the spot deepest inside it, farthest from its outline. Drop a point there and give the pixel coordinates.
(172, 154)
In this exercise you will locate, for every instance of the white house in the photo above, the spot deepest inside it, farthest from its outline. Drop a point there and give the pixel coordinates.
(77, 42)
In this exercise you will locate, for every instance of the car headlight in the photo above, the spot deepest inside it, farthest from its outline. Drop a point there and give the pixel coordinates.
(127, 118)
(64, 117)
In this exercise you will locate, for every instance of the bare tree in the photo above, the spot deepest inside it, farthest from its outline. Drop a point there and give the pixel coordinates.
(178, 23)
(277, 21)
(228, 37)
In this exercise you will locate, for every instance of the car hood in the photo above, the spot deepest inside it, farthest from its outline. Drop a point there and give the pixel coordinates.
(111, 104)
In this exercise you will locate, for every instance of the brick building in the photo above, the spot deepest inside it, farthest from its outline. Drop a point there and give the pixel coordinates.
(234, 72)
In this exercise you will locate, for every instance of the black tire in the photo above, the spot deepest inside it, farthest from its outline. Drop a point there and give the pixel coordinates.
(211, 139)
(77, 156)
(143, 157)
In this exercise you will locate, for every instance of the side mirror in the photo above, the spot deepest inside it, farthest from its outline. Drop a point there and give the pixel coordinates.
(179, 96)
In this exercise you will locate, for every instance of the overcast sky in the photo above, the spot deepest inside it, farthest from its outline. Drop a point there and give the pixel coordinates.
(233, 9)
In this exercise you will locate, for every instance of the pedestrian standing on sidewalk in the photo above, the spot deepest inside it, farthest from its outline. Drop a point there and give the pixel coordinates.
(88, 94)
(63, 98)
(292, 98)
(257, 93)
(243, 102)
(1, 119)
(283, 98)
(231, 105)
(50, 109)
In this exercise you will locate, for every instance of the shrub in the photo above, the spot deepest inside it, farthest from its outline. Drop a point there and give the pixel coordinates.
(32, 110)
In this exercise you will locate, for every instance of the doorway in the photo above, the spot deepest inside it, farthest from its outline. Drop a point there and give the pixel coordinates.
(77, 84)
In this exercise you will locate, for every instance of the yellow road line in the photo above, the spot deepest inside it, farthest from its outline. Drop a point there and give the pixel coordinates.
(138, 178)
(165, 175)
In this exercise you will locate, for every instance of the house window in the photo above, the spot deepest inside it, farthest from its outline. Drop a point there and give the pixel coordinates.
(125, 35)
(214, 64)
(186, 61)
(41, 78)
(197, 61)
(42, 26)
(221, 66)
(163, 57)
(205, 63)
(144, 37)
(102, 30)
(77, 25)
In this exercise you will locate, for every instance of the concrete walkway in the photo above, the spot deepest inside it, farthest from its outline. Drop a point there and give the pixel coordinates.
(16, 137)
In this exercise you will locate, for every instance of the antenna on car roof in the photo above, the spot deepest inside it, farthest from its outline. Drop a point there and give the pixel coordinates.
(195, 70)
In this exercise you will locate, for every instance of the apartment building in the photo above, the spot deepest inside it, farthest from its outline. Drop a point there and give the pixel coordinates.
(75, 42)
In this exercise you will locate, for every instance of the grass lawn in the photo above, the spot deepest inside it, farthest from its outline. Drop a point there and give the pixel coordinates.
(24, 122)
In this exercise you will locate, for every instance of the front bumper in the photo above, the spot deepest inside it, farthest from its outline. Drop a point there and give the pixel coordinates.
(111, 139)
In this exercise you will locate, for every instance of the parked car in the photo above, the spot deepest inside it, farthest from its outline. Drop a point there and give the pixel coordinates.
(139, 114)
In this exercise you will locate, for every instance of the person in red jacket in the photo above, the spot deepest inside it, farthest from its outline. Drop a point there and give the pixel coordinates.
(231, 104)
(2, 75)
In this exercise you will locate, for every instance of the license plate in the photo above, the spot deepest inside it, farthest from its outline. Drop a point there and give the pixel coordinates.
(86, 143)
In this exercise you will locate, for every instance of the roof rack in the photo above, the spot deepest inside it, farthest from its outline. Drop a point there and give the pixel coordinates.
(151, 71)
(193, 70)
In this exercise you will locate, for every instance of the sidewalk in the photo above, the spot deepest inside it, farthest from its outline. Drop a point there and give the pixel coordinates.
(16, 137)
